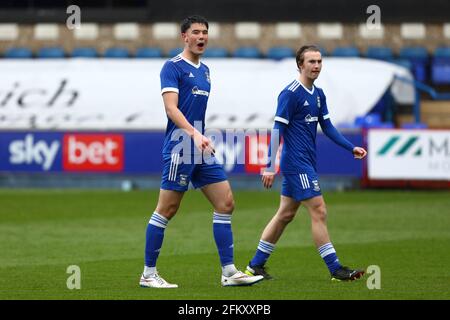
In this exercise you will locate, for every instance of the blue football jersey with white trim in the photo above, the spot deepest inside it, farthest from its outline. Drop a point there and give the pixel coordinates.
(300, 109)
(192, 83)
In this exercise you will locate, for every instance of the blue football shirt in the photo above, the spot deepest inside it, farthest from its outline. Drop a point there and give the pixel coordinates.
(192, 83)
(301, 110)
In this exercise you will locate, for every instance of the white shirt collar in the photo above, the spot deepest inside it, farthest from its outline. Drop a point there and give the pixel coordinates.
(191, 63)
(309, 91)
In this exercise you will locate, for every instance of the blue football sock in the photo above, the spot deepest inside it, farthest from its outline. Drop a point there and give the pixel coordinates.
(154, 238)
(263, 253)
(223, 235)
(328, 255)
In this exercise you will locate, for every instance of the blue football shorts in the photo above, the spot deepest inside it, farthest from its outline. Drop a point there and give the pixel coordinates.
(177, 175)
(301, 186)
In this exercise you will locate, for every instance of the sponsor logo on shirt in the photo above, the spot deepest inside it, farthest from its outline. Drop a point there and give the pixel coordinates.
(197, 91)
(310, 118)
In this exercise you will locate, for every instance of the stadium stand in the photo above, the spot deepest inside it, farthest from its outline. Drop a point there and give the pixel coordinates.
(216, 52)
(116, 52)
(418, 43)
(278, 53)
(173, 52)
(348, 52)
(18, 53)
(84, 52)
(380, 53)
(414, 125)
(418, 56)
(247, 52)
(440, 66)
(149, 52)
(51, 53)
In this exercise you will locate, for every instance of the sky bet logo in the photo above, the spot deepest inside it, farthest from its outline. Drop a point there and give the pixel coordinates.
(31, 151)
(93, 152)
(68, 152)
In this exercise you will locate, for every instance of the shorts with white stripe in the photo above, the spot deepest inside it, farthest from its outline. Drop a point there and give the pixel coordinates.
(177, 175)
(301, 186)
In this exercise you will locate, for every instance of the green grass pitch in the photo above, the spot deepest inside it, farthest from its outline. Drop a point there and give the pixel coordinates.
(405, 233)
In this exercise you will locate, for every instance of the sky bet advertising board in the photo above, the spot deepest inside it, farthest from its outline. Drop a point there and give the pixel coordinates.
(80, 152)
(140, 152)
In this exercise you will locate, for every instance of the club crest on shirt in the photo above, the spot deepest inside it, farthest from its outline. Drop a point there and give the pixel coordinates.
(207, 77)
(316, 185)
(318, 102)
(183, 180)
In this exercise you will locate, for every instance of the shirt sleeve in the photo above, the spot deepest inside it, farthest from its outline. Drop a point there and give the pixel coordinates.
(275, 140)
(324, 115)
(286, 105)
(169, 78)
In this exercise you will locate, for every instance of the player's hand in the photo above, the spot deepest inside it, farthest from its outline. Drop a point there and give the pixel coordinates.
(359, 152)
(267, 179)
(203, 143)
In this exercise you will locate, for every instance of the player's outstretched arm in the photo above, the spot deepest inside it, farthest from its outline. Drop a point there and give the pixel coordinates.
(171, 105)
(332, 133)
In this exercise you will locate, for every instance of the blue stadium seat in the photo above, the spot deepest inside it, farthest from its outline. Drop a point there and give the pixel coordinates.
(368, 121)
(84, 52)
(380, 53)
(384, 125)
(174, 52)
(414, 125)
(116, 52)
(404, 63)
(418, 53)
(323, 51)
(51, 53)
(440, 73)
(372, 120)
(215, 52)
(440, 66)
(418, 56)
(247, 52)
(347, 125)
(278, 53)
(148, 52)
(442, 52)
(18, 53)
(345, 52)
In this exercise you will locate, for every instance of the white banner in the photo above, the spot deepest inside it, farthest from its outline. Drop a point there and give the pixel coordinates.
(409, 154)
(125, 94)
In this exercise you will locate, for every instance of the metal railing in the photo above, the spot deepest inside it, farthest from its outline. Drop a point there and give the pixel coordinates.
(418, 87)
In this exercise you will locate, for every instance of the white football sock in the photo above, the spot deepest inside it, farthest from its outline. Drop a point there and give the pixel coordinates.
(149, 271)
(229, 270)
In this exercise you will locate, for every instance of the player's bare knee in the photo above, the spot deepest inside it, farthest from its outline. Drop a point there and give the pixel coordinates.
(286, 216)
(319, 213)
(167, 210)
(226, 206)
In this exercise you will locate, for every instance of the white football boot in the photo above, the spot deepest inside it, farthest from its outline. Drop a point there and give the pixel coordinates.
(155, 281)
(240, 279)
